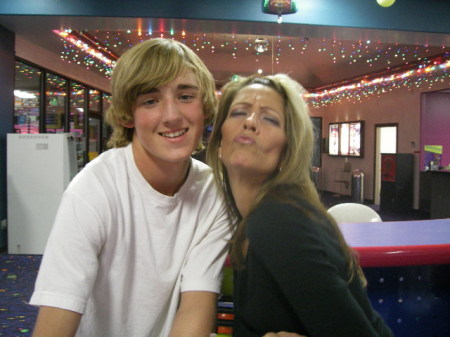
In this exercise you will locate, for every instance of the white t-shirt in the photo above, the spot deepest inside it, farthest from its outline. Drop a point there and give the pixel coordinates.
(120, 252)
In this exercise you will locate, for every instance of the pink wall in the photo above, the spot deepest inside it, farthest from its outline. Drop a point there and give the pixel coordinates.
(401, 106)
(435, 124)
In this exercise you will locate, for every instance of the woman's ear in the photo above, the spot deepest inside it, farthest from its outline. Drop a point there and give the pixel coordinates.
(219, 151)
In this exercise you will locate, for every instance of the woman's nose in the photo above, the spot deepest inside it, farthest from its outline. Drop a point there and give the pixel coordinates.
(251, 122)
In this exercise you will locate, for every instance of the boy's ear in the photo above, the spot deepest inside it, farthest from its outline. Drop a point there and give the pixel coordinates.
(129, 124)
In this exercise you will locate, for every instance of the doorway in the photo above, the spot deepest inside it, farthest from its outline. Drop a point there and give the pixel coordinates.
(385, 142)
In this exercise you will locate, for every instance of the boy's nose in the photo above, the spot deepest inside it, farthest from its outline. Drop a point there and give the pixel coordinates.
(171, 111)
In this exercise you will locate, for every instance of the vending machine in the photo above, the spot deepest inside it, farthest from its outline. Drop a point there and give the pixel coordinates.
(39, 168)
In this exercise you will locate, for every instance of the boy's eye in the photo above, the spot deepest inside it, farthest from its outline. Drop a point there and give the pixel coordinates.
(149, 101)
(186, 97)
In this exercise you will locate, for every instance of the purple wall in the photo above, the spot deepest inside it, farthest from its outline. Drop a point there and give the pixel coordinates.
(435, 124)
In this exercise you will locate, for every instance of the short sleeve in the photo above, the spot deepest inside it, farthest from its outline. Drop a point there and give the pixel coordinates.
(204, 263)
(69, 264)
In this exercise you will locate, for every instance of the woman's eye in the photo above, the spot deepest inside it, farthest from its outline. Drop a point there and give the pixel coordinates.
(272, 120)
(236, 113)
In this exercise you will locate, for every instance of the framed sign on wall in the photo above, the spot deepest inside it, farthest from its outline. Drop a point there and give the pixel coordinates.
(346, 139)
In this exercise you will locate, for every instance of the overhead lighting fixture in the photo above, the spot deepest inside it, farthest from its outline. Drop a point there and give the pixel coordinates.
(261, 45)
(279, 7)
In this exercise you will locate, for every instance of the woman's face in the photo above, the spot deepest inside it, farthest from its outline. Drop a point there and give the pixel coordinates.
(253, 134)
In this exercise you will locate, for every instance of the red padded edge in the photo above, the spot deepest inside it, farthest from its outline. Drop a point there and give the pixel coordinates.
(403, 255)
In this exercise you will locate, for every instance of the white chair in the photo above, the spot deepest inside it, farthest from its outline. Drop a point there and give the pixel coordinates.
(353, 212)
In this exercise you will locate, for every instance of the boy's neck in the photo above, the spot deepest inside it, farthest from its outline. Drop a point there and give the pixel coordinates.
(165, 177)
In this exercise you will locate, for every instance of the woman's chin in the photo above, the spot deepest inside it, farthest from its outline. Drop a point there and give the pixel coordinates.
(249, 172)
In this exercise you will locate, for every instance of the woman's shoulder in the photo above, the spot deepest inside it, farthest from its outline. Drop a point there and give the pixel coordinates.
(275, 205)
(286, 199)
(285, 209)
(273, 212)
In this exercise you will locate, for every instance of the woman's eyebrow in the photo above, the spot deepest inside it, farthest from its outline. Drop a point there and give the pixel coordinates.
(245, 104)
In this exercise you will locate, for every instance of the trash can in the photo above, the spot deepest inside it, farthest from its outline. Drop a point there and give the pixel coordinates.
(358, 186)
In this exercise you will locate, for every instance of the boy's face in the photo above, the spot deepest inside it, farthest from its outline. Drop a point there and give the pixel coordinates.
(169, 120)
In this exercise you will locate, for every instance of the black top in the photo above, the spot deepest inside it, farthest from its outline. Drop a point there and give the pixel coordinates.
(296, 280)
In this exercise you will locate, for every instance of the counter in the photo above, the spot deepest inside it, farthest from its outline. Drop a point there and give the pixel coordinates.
(407, 267)
(400, 243)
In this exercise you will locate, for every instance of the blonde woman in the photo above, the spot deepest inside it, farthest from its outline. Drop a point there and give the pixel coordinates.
(293, 269)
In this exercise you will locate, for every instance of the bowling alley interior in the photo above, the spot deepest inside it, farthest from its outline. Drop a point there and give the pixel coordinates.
(376, 76)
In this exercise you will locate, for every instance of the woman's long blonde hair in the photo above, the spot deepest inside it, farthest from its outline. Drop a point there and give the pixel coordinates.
(294, 175)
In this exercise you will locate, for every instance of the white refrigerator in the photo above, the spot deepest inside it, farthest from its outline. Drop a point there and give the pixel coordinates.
(39, 168)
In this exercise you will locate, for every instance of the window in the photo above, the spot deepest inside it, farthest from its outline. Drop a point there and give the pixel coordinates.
(26, 98)
(55, 103)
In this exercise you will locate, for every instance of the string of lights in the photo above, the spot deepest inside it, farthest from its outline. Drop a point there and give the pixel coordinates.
(99, 50)
(418, 75)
